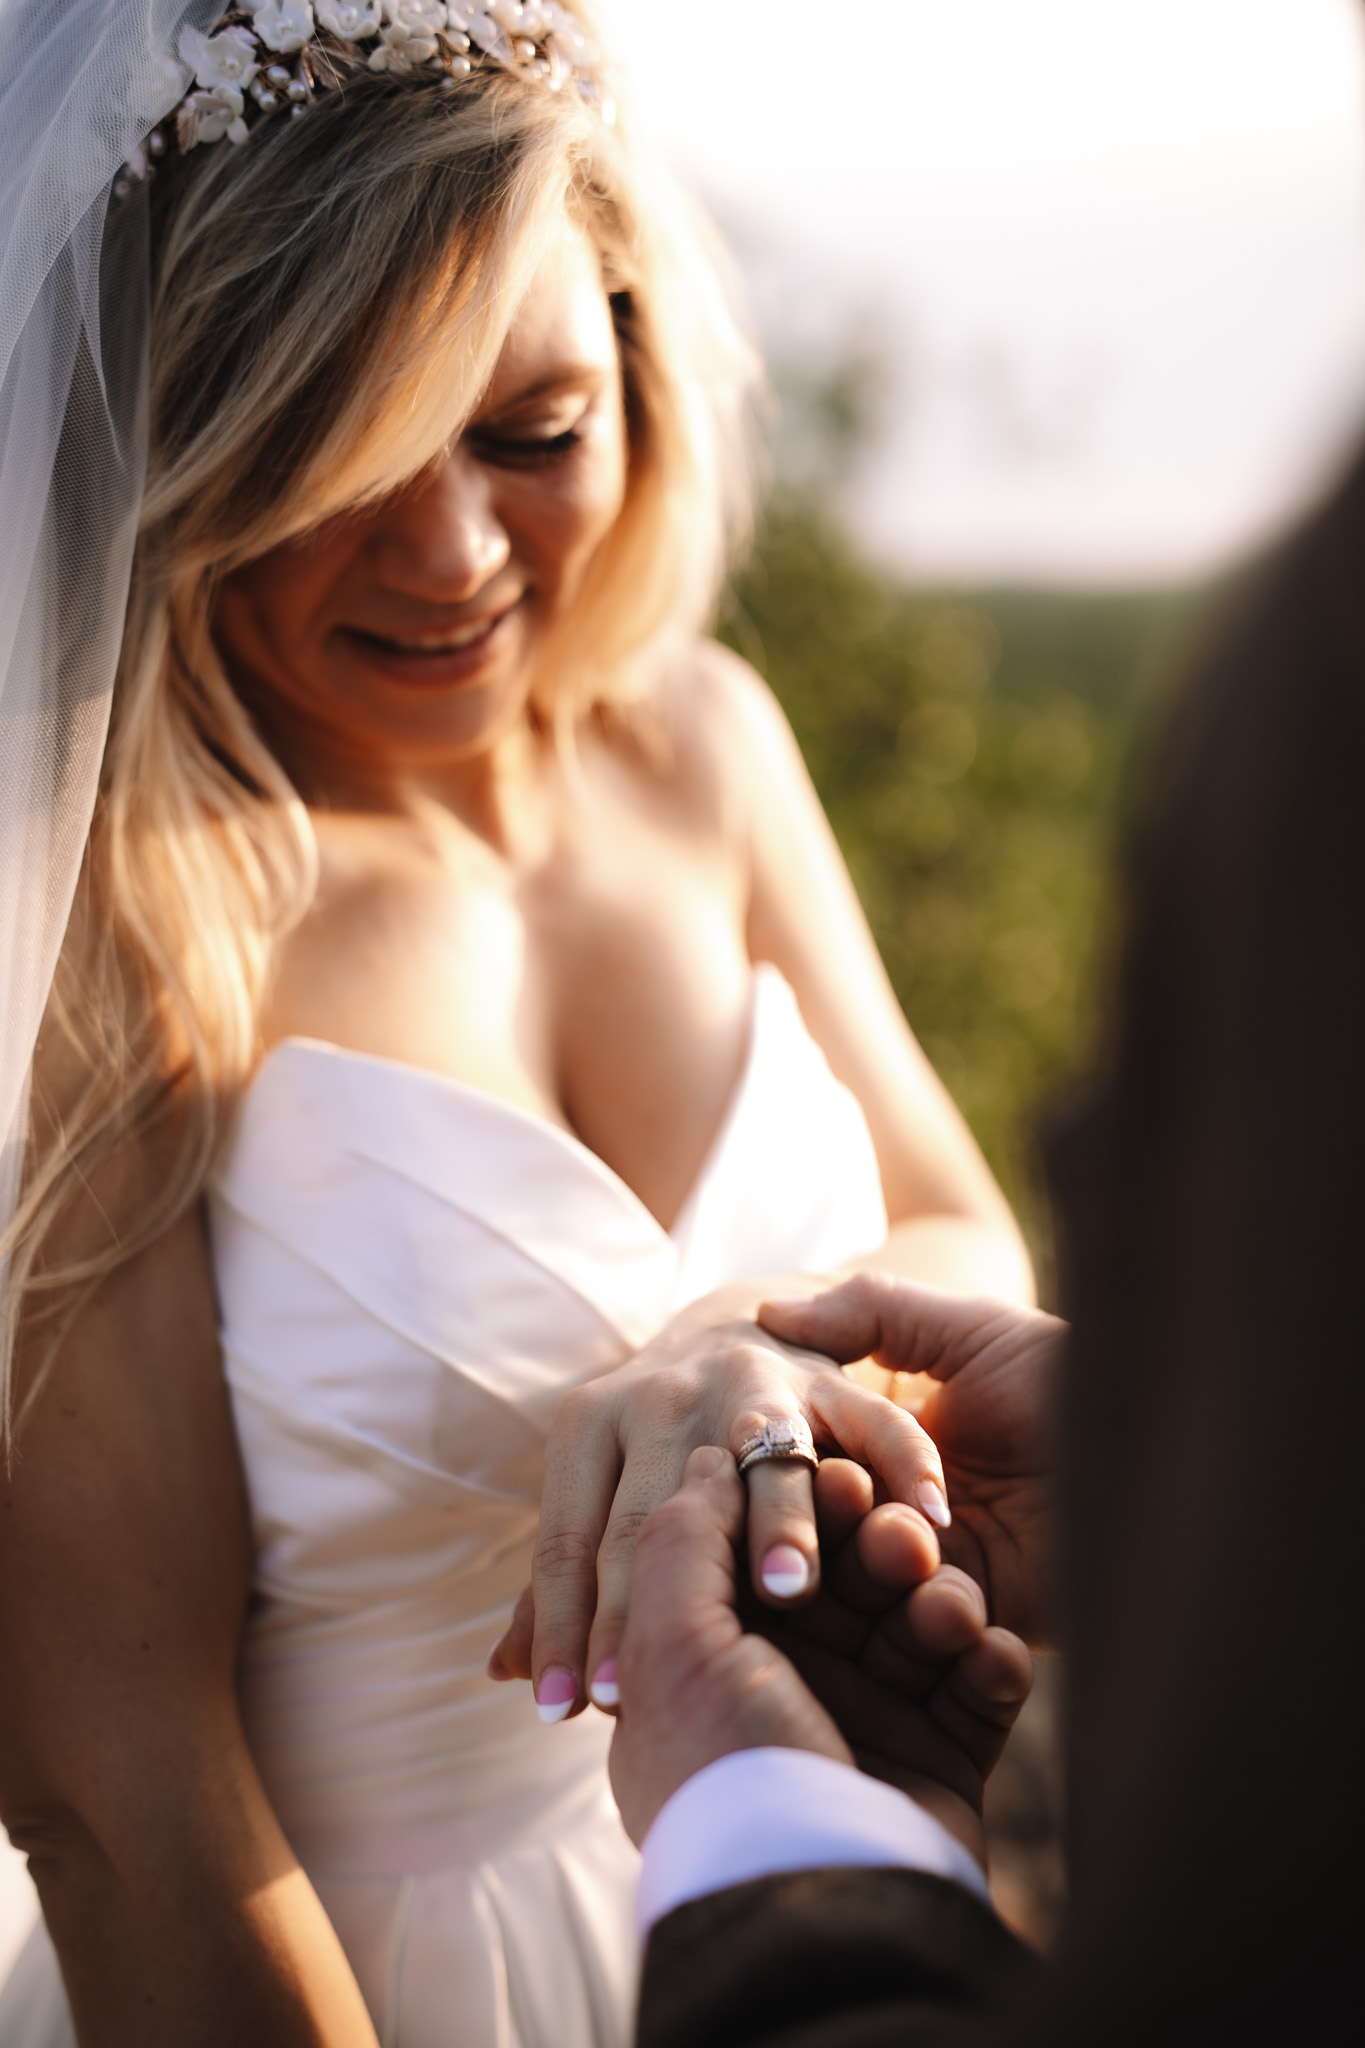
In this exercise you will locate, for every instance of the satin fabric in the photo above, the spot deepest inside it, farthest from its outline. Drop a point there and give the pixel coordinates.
(411, 1276)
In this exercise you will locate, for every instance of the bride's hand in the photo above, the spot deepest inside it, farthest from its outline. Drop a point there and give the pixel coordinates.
(618, 1448)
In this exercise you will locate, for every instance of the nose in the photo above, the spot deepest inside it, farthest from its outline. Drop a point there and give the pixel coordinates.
(442, 538)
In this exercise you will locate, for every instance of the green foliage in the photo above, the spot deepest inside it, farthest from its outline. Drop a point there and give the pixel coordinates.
(969, 749)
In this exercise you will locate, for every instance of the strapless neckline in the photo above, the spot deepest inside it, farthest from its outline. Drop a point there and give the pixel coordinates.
(766, 983)
(412, 1274)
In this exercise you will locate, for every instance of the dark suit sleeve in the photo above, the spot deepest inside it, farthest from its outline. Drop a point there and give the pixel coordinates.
(830, 1959)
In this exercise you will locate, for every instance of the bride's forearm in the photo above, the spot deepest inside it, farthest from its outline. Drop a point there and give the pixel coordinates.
(184, 1944)
(966, 1253)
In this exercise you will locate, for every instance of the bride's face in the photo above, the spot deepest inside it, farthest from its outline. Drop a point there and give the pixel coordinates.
(408, 635)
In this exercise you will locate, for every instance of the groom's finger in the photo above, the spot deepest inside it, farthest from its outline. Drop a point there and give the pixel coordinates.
(892, 1551)
(844, 1497)
(854, 1320)
(644, 1485)
(684, 1570)
(904, 1325)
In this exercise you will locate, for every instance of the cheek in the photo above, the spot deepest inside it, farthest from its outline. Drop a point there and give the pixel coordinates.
(267, 609)
(570, 514)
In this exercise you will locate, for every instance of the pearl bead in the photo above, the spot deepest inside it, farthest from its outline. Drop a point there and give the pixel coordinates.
(460, 67)
(526, 51)
(277, 75)
(296, 91)
(156, 143)
(295, 113)
(461, 42)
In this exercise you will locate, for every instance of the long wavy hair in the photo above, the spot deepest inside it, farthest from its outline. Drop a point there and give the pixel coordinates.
(329, 300)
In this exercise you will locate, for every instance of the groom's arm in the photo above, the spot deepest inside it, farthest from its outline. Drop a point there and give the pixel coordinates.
(830, 1958)
(786, 1896)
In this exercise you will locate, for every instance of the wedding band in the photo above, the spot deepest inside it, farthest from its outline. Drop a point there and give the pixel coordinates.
(788, 1438)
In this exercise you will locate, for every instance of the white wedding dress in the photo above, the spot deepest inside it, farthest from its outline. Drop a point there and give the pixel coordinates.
(411, 1274)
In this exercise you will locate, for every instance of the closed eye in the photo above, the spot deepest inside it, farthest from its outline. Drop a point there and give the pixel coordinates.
(522, 451)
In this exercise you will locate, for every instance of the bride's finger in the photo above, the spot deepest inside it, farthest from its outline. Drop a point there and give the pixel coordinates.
(511, 1656)
(784, 1549)
(580, 1482)
(885, 1438)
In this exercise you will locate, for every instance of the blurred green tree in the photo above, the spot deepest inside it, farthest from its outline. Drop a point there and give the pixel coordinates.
(969, 748)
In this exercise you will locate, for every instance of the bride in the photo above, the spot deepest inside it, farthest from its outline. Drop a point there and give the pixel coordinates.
(459, 993)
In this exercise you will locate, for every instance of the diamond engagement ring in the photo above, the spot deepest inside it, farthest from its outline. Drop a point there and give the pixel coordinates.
(788, 1438)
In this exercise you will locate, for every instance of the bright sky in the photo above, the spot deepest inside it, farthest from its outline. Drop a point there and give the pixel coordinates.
(1115, 250)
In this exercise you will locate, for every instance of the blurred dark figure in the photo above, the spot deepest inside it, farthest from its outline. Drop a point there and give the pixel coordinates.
(1212, 1203)
(1211, 1196)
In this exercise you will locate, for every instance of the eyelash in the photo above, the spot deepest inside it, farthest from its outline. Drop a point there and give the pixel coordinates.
(530, 454)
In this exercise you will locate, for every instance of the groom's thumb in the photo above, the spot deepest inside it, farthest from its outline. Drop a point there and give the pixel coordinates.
(845, 1323)
(684, 1554)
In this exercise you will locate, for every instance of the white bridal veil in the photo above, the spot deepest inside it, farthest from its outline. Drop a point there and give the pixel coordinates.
(81, 83)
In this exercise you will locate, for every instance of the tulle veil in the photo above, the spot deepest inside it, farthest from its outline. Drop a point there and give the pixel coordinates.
(81, 83)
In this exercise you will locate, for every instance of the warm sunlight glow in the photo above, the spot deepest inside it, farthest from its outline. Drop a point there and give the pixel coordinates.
(1115, 252)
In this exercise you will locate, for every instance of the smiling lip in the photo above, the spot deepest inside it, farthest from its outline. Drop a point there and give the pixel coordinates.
(447, 654)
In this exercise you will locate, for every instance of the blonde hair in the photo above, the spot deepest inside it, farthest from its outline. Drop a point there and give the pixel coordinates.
(329, 302)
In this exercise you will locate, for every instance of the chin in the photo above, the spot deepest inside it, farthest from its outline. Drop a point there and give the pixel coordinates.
(452, 724)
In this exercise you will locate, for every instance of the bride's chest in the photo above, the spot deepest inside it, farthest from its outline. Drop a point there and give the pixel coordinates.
(412, 1272)
(603, 988)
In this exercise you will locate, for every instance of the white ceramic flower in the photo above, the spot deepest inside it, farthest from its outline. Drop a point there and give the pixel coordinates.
(209, 116)
(490, 37)
(402, 49)
(565, 32)
(284, 25)
(350, 18)
(226, 61)
(421, 17)
(560, 62)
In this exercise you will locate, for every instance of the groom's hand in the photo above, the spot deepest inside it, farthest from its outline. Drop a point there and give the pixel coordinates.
(985, 1399)
(911, 1685)
(694, 1686)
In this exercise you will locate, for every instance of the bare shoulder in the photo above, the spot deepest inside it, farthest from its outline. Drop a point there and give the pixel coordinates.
(727, 736)
(381, 896)
(722, 698)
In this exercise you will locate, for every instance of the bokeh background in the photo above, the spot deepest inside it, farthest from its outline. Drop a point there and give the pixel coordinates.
(1064, 303)
(1064, 306)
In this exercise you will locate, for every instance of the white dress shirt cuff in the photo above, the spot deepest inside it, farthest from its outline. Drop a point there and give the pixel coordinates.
(760, 1811)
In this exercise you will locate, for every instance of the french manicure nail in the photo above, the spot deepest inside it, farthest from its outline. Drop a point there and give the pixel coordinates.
(933, 1503)
(556, 1693)
(604, 1690)
(784, 1572)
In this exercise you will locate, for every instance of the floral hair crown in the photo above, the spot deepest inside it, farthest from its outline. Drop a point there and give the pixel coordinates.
(262, 59)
